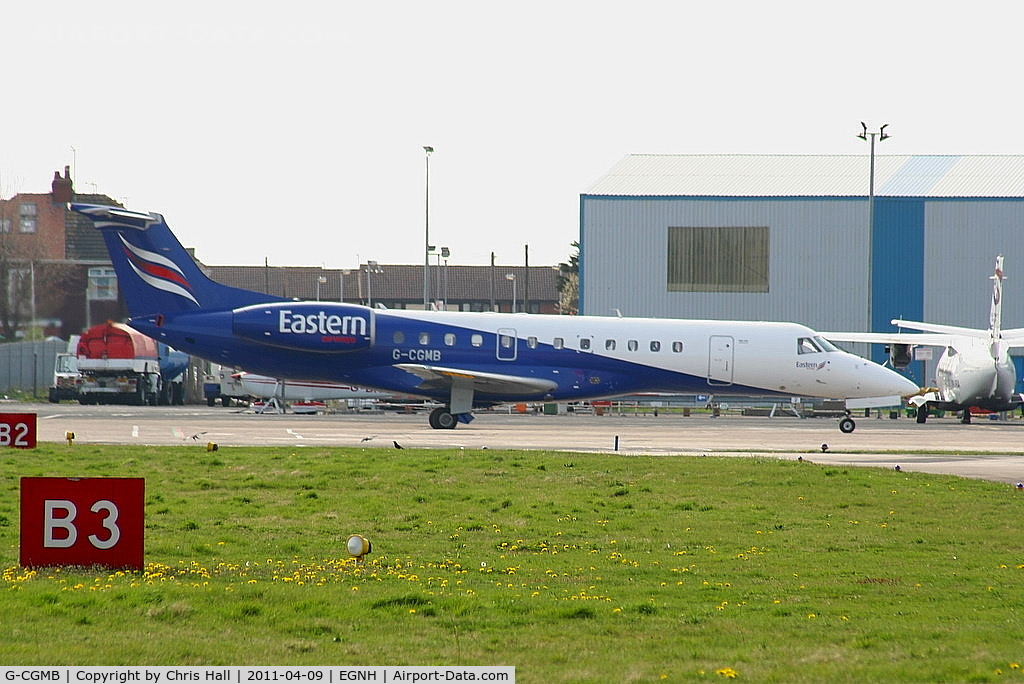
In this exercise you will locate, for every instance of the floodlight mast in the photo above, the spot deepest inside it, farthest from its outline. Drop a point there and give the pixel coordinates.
(427, 150)
(865, 134)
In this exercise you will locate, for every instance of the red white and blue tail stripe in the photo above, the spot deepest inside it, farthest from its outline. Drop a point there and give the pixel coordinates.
(155, 273)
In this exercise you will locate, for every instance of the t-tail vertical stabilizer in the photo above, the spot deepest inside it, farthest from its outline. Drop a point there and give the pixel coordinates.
(155, 273)
(995, 317)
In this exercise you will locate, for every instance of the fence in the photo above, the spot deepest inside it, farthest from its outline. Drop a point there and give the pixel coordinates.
(28, 366)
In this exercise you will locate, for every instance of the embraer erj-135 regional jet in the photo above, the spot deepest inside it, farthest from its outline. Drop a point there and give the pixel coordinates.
(468, 359)
(975, 369)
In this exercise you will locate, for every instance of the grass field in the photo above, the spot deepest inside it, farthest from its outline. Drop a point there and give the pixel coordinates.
(571, 567)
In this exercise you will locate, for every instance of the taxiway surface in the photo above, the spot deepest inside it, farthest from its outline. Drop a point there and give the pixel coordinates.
(986, 449)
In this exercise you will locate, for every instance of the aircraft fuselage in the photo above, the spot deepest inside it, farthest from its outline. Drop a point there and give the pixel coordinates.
(567, 357)
(969, 375)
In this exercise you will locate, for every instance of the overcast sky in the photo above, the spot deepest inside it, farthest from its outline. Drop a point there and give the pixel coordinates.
(295, 131)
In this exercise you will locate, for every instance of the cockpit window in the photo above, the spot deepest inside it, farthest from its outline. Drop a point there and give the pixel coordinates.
(806, 345)
(825, 344)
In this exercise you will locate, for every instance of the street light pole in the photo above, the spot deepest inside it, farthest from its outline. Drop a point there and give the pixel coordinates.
(512, 277)
(371, 267)
(341, 284)
(870, 136)
(427, 150)
(445, 252)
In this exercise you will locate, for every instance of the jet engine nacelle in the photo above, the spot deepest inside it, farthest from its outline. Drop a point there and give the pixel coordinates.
(305, 326)
(900, 355)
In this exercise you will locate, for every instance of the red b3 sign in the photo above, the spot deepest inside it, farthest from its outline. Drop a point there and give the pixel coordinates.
(82, 521)
(18, 430)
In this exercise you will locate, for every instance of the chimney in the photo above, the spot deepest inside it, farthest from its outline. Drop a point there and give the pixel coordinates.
(62, 190)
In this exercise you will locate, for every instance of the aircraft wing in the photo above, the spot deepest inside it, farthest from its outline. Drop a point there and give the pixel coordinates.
(927, 339)
(1013, 337)
(941, 329)
(438, 377)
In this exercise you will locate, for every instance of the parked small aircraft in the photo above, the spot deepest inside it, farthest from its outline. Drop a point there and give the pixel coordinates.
(303, 390)
(975, 368)
(465, 359)
(308, 396)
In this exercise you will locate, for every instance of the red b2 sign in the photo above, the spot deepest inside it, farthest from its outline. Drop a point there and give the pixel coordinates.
(82, 521)
(18, 430)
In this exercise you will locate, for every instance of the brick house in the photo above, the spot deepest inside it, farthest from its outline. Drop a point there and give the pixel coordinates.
(55, 274)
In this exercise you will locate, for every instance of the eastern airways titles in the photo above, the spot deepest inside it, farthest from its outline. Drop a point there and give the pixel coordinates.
(320, 323)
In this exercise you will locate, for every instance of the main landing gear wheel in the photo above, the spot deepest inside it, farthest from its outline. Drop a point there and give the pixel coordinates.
(846, 425)
(442, 419)
(922, 413)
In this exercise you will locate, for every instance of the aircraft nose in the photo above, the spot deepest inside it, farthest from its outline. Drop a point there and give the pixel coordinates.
(872, 380)
(880, 381)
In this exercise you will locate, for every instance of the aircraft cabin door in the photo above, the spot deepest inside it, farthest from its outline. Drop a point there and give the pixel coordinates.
(507, 343)
(720, 360)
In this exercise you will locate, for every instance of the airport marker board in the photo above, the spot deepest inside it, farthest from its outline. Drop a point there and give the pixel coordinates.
(18, 430)
(82, 521)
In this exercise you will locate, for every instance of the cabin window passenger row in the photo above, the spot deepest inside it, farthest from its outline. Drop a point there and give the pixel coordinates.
(805, 345)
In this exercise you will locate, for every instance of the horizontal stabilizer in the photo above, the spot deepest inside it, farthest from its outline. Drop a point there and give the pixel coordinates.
(923, 398)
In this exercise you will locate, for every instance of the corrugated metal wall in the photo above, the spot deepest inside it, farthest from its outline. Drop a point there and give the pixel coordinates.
(932, 259)
(962, 240)
(819, 255)
(28, 366)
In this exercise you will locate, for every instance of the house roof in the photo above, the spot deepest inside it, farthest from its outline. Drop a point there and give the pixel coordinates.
(82, 242)
(751, 175)
(393, 282)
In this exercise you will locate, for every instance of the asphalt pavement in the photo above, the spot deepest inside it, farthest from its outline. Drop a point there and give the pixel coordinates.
(986, 449)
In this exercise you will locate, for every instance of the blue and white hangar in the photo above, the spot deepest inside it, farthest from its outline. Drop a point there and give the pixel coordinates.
(806, 238)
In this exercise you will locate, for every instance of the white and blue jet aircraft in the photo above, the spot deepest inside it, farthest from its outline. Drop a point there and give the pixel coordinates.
(466, 360)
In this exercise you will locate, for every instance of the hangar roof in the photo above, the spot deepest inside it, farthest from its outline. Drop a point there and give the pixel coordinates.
(753, 175)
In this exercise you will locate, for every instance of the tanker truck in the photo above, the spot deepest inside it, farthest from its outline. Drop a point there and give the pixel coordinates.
(119, 365)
